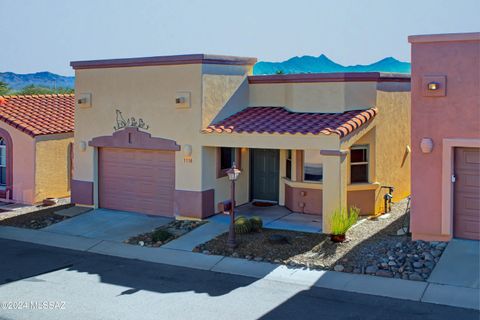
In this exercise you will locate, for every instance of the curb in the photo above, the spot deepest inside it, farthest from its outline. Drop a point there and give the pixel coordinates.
(387, 287)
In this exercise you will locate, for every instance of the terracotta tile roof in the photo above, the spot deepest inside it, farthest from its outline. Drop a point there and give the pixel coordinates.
(281, 120)
(39, 114)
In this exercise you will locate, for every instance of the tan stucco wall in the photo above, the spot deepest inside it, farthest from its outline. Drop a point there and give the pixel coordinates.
(141, 92)
(23, 165)
(52, 167)
(314, 97)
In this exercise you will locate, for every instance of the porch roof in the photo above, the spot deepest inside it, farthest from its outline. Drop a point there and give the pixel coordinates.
(281, 120)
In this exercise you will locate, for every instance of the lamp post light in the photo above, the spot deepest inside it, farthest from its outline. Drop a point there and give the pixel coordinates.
(233, 174)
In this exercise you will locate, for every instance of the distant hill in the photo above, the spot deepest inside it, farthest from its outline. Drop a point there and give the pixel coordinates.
(320, 64)
(42, 79)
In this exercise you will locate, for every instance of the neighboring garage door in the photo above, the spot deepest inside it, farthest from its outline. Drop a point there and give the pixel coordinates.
(136, 180)
(467, 193)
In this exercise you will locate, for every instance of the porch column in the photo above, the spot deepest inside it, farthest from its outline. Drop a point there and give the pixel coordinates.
(334, 192)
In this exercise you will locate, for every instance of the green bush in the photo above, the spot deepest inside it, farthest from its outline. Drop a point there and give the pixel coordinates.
(257, 223)
(342, 220)
(161, 235)
(242, 225)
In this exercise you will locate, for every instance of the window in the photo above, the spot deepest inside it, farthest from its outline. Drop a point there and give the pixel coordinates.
(227, 158)
(288, 165)
(3, 163)
(312, 166)
(359, 164)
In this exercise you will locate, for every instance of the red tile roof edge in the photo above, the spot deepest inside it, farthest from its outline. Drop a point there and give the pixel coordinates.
(32, 128)
(358, 118)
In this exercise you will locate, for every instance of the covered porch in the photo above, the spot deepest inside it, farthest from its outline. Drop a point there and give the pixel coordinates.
(304, 170)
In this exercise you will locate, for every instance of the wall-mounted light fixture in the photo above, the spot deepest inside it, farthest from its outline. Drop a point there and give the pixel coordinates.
(84, 100)
(426, 145)
(187, 153)
(433, 86)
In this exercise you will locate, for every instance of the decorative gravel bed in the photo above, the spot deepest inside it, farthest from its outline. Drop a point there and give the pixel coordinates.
(164, 234)
(373, 247)
(33, 219)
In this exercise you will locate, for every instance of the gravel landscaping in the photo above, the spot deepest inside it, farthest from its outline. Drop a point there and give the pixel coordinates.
(33, 217)
(372, 247)
(164, 234)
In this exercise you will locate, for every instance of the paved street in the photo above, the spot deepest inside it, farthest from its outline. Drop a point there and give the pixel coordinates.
(83, 285)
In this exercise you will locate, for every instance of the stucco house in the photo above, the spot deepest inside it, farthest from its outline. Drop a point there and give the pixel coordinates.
(445, 136)
(155, 135)
(36, 147)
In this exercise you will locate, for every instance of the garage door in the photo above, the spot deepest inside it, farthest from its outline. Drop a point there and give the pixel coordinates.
(467, 193)
(137, 180)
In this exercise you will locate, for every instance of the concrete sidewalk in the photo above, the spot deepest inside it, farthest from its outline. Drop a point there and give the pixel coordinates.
(394, 288)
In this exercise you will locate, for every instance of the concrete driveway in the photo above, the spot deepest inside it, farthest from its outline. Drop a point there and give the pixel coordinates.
(459, 265)
(104, 224)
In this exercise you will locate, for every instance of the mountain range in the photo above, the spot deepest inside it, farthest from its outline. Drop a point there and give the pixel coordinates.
(305, 64)
(41, 79)
(320, 64)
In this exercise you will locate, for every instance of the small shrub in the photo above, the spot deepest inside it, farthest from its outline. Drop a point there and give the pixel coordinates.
(161, 235)
(242, 225)
(342, 220)
(257, 223)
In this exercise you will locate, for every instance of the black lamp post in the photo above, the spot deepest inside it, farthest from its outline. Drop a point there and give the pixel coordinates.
(233, 174)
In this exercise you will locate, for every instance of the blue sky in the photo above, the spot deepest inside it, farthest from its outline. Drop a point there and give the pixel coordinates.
(41, 35)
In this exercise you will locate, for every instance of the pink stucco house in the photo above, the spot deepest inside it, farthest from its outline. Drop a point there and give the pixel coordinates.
(445, 136)
(36, 139)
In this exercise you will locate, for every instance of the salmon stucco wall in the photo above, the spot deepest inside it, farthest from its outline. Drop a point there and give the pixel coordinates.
(455, 61)
(23, 165)
(52, 176)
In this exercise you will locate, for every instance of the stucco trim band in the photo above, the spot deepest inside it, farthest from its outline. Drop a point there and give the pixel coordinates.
(82, 192)
(133, 138)
(164, 60)
(194, 204)
(447, 37)
(447, 184)
(330, 77)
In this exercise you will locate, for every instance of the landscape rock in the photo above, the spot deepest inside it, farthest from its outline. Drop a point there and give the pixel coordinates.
(415, 277)
(339, 268)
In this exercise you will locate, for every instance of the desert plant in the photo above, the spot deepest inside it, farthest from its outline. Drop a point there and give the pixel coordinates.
(161, 235)
(257, 223)
(342, 220)
(242, 225)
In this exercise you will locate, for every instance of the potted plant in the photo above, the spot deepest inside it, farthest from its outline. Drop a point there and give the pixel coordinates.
(341, 221)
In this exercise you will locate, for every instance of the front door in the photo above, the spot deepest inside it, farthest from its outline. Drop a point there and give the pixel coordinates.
(264, 170)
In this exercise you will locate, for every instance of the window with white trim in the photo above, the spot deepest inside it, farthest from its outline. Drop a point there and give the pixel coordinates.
(312, 166)
(359, 164)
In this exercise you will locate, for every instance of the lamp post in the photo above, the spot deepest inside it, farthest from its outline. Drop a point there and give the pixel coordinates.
(233, 174)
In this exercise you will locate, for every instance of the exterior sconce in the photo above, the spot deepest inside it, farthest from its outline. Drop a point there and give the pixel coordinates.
(187, 153)
(82, 145)
(426, 145)
(433, 86)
